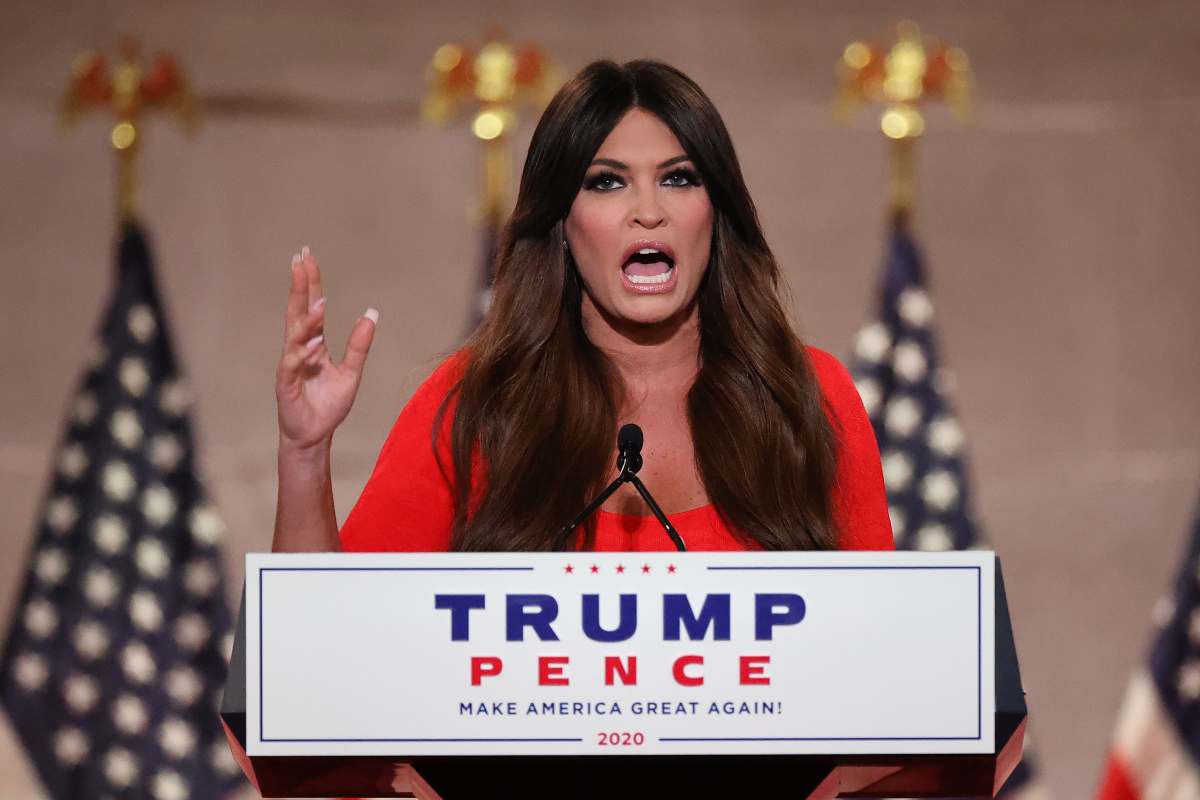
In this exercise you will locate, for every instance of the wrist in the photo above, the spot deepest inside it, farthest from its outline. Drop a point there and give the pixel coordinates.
(310, 456)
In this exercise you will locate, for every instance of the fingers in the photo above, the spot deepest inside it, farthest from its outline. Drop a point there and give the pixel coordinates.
(296, 358)
(314, 276)
(297, 305)
(359, 343)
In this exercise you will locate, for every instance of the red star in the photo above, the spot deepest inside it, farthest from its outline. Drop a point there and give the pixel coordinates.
(595, 569)
(670, 569)
(569, 569)
(620, 568)
(645, 569)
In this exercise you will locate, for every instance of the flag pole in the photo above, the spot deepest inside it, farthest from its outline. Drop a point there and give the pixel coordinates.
(127, 93)
(493, 81)
(903, 76)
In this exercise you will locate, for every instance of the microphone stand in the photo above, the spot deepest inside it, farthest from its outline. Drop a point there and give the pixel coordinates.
(629, 463)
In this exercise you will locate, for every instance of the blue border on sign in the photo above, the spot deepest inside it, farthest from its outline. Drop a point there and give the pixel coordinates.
(978, 667)
(261, 725)
(978, 659)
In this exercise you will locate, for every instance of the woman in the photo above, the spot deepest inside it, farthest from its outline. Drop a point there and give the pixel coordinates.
(633, 284)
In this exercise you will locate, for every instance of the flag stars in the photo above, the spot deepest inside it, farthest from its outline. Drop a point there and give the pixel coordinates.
(145, 611)
(934, 538)
(221, 759)
(902, 416)
(1189, 681)
(182, 685)
(100, 587)
(133, 376)
(91, 640)
(1164, 609)
(158, 505)
(908, 359)
(129, 715)
(645, 569)
(85, 408)
(915, 307)
(174, 398)
(570, 570)
(176, 738)
(120, 768)
(152, 559)
(620, 569)
(51, 566)
(117, 481)
(81, 693)
(40, 619)
(110, 534)
(165, 452)
(191, 631)
(945, 436)
(71, 746)
(870, 393)
(200, 578)
(206, 525)
(61, 514)
(594, 569)
(72, 461)
(873, 342)
(30, 671)
(897, 470)
(137, 663)
(125, 428)
(168, 785)
(141, 323)
(939, 489)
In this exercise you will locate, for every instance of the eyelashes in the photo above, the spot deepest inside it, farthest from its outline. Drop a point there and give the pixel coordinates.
(607, 180)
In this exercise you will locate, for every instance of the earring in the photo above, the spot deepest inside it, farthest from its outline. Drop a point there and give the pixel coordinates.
(565, 248)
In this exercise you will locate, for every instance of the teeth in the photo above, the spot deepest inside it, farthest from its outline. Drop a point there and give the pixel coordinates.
(650, 279)
(647, 251)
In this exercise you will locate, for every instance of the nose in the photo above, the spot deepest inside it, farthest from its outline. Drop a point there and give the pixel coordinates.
(647, 211)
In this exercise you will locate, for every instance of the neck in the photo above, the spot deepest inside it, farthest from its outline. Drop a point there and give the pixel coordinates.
(660, 354)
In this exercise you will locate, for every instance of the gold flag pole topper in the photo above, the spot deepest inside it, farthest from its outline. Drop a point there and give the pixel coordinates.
(494, 81)
(913, 71)
(128, 92)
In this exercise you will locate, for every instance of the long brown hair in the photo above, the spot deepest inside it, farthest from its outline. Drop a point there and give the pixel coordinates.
(537, 403)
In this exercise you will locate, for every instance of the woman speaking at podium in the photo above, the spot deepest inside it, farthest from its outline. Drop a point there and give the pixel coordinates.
(633, 284)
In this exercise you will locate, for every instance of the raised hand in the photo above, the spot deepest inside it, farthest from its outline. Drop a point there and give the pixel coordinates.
(313, 393)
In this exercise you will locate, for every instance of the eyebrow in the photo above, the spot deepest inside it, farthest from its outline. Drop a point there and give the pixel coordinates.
(612, 162)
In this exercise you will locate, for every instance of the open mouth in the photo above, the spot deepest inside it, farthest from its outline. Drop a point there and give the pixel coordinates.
(648, 266)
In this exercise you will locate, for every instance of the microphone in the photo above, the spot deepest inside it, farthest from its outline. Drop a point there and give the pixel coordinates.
(629, 462)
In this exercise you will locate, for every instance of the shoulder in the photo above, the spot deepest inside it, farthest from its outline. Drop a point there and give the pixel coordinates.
(837, 387)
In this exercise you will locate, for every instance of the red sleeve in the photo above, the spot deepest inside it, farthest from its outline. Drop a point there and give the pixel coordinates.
(408, 504)
(860, 501)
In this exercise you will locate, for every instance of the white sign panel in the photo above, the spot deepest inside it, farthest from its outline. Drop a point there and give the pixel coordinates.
(619, 653)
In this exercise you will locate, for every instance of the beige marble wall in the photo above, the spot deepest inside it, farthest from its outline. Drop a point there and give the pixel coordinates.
(1060, 232)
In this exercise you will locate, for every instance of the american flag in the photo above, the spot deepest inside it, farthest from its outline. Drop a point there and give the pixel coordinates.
(1156, 749)
(114, 660)
(906, 392)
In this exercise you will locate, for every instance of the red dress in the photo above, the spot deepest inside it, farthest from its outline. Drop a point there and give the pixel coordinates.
(407, 505)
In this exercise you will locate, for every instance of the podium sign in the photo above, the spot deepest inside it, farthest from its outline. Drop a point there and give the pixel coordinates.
(570, 654)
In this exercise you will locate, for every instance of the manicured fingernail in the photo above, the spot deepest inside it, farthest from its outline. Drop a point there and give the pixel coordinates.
(295, 259)
(314, 341)
(320, 302)
(372, 315)
(304, 251)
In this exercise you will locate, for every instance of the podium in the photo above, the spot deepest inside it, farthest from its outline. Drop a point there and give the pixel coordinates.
(581, 675)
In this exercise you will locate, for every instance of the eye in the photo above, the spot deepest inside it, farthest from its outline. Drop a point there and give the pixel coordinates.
(602, 181)
(682, 177)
